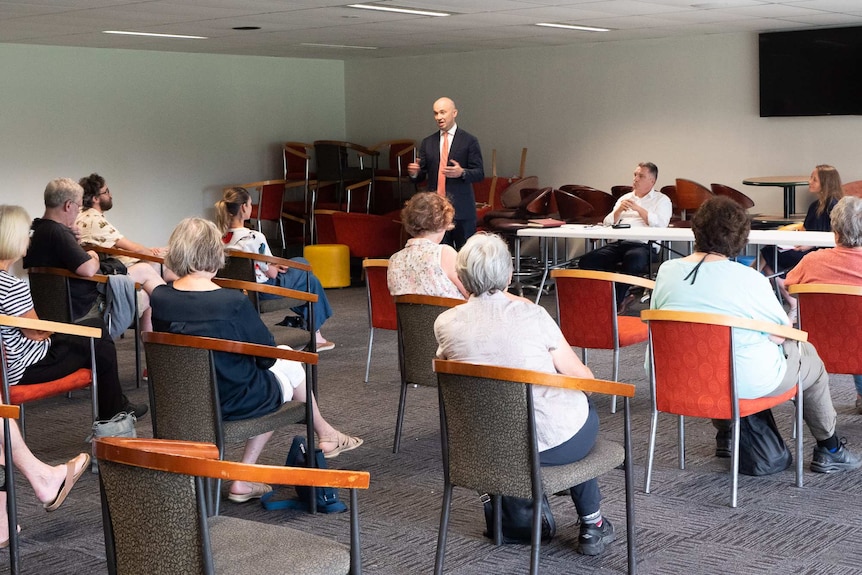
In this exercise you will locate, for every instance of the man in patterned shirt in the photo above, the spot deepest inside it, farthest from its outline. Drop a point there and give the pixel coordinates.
(95, 230)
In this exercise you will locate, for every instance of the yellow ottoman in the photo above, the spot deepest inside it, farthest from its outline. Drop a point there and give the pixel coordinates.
(330, 263)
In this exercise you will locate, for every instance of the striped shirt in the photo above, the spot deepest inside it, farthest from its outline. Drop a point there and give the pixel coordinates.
(20, 352)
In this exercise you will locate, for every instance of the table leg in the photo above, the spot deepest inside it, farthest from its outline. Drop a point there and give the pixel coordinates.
(789, 201)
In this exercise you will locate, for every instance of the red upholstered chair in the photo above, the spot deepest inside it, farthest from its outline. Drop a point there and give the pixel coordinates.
(692, 374)
(268, 206)
(21, 394)
(7, 481)
(399, 153)
(300, 194)
(381, 305)
(367, 235)
(587, 313)
(832, 316)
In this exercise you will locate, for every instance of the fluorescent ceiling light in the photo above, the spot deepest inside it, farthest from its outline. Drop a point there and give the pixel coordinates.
(398, 10)
(338, 46)
(126, 33)
(573, 27)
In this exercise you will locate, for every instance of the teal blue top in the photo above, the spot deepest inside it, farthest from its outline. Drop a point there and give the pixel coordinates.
(726, 287)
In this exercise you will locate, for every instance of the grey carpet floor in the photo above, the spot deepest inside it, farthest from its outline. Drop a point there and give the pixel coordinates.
(684, 526)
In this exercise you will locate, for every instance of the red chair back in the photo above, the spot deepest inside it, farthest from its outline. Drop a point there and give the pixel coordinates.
(692, 366)
(834, 325)
(381, 304)
(587, 312)
(269, 202)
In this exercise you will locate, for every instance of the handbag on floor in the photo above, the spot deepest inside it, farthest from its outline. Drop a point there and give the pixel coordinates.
(327, 497)
(518, 519)
(761, 448)
(121, 425)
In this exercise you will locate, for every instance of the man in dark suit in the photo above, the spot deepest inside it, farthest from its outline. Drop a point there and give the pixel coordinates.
(453, 177)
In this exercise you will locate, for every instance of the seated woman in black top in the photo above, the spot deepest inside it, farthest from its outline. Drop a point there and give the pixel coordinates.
(248, 387)
(826, 184)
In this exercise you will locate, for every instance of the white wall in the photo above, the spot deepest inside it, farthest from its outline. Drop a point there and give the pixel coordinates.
(589, 113)
(166, 130)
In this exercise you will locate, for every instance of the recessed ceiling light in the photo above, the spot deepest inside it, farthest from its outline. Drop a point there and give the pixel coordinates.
(398, 9)
(573, 27)
(127, 33)
(338, 46)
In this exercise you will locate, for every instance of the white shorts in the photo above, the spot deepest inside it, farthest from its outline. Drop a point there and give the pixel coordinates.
(290, 375)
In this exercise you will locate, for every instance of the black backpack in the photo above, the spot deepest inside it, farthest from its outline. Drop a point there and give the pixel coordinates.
(761, 449)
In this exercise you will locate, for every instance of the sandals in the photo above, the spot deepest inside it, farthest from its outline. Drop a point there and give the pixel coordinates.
(325, 346)
(4, 544)
(71, 477)
(343, 443)
(258, 490)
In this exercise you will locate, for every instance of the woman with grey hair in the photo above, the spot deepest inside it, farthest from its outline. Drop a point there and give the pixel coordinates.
(839, 265)
(482, 331)
(248, 387)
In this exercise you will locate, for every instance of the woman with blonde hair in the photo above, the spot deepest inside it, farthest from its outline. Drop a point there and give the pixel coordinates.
(826, 184)
(194, 305)
(24, 348)
(425, 266)
(232, 211)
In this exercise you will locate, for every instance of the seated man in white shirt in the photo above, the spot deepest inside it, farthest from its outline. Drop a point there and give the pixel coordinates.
(642, 207)
(95, 230)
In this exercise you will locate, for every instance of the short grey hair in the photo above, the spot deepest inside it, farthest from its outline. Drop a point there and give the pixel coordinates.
(484, 264)
(62, 190)
(195, 246)
(846, 220)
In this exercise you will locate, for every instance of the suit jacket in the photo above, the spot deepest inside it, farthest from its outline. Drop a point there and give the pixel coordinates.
(464, 149)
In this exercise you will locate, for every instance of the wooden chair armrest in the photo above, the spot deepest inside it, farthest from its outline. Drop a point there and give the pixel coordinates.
(265, 288)
(605, 276)
(229, 346)
(429, 300)
(98, 278)
(126, 253)
(257, 184)
(290, 148)
(201, 459)
(531, 377)
(375, 263)
(10, 411)
(268, 259)
(779, 330)
(406, 150)
(825, 288)
(52, 326)
(293, 218)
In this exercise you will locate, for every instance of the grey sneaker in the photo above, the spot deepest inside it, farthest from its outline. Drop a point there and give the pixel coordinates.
(592, 539)
(824, 461)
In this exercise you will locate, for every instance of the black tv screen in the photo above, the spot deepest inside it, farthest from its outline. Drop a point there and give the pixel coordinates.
(811, 72)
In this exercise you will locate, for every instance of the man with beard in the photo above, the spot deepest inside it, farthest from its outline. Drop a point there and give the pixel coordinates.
(95, 230)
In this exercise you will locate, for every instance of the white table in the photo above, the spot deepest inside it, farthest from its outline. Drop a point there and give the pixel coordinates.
(598, 232)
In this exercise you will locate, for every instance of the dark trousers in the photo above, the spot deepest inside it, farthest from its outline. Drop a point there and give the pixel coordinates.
(69, 353)
(633, 257)
(457, 236)
(586, 496)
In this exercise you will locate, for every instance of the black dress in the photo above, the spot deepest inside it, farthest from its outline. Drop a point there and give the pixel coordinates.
(813, 222)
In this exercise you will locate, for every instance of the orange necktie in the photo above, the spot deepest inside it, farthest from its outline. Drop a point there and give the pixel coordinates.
(444, 159)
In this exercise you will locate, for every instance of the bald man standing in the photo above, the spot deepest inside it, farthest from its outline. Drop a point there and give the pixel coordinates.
(454, 176)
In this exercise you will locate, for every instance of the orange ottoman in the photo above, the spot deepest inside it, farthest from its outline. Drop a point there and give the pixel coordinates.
(330, 263)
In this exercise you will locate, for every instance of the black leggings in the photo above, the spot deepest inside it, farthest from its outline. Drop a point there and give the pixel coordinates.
(69, 353)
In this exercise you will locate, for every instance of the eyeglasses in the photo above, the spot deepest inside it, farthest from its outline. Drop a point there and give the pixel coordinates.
(74, 203)
(106, 192)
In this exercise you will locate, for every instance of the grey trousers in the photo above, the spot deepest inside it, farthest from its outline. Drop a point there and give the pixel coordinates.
(817, 409)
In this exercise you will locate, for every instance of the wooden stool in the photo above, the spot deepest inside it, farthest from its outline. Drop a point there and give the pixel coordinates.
(330, 263)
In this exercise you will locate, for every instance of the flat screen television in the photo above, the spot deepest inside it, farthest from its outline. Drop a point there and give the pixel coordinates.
(811, 72)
